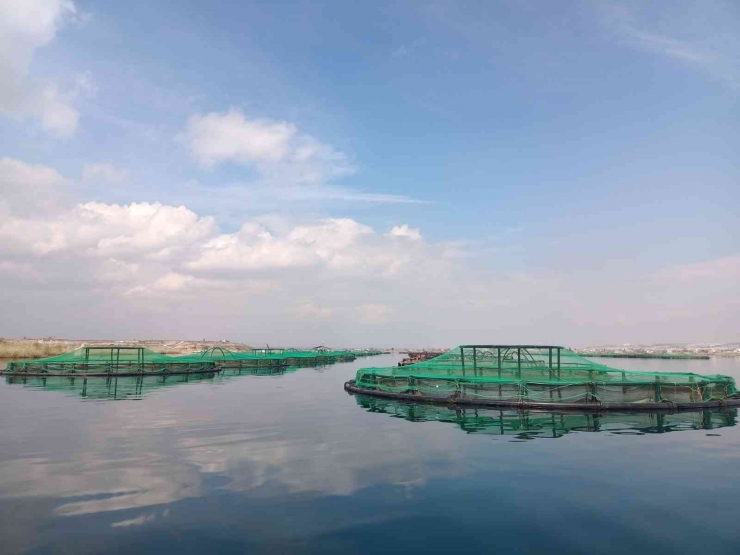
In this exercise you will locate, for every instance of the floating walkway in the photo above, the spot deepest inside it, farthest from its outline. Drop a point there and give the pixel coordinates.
(541, 377)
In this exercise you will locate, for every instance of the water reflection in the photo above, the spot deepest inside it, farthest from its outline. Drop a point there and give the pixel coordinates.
(132, 387)
(530, 424)
(223, 464)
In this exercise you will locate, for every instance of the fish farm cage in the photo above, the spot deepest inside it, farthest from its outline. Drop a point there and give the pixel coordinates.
(536, 376)
(224, 358)
(315, 356)
(258, 358)
(104, 360)
(367, 353)
(532, 424)
(107, 360)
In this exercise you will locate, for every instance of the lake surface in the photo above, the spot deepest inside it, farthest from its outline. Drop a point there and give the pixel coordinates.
(291, 463)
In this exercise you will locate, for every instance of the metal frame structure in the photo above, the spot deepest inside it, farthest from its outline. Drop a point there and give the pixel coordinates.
(84, 362)
(540, 376)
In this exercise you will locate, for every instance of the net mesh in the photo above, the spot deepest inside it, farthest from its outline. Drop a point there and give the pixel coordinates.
(224, 358)
(124, 359)
(538, 374)
(109, 359)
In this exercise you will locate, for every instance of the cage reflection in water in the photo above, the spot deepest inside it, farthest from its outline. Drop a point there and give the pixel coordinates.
(531, 424)
(133, 387)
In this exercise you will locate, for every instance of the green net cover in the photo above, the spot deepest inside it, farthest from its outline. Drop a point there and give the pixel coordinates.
(538, 374)
(224, 358)
(107, 359)
(268, 357)
(367, 353)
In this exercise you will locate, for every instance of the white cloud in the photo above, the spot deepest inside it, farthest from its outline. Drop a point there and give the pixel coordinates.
(289, 165)
(215, 138)
(251, 248)
(136, 230)
(29, 189)
(25, 26)
(105, 173)
(276, 148)
(405, 231)
(166, 269)
(341, 245)
(167, 283)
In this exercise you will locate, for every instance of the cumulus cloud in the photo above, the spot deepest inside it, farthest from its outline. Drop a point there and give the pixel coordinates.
(29, 189)
(166, 269)
(338, 244)
(25, 26)
(215, 138)
(405, 231)
(99, 229)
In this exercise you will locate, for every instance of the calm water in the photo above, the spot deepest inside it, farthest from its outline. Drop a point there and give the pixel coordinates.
(291, 463)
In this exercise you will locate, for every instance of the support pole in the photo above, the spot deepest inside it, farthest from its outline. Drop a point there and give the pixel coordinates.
(519, 362)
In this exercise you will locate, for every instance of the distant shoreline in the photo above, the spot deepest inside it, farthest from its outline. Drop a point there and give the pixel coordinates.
(666, 356)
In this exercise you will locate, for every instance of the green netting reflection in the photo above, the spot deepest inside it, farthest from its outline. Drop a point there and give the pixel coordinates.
(133, 387)
(538, 374)
(538, 424)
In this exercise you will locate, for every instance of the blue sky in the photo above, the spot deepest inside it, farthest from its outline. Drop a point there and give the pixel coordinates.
(552, 159)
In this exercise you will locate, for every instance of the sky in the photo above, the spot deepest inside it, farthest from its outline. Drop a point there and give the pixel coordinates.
(371, 173)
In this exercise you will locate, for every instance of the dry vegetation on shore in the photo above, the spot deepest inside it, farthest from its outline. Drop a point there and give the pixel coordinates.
(10, 348)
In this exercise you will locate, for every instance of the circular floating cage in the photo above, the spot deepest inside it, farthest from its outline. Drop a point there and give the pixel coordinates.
(541, 377)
